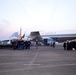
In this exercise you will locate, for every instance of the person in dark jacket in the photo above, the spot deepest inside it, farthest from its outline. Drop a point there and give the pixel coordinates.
(68, 45)
(26, 44)
(13, 42)
(65, 45)
(54, 44)
(36, 44)
(29, 43)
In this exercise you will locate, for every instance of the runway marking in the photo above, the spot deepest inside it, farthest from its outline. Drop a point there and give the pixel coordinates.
(32, 61)
(37, 67)
(34, 57)
(56, 65)
(10, 63)
(31, 64)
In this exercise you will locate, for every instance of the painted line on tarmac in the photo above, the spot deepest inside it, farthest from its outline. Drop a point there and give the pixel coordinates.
(33, 60)
(10, 63)
(14, 70)
(57, 65)
(31, 64)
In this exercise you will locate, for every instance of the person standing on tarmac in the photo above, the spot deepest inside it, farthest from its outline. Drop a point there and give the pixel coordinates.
(13, 44)
(36, 44)
(54, 44)
(29, 43)
(65, 45)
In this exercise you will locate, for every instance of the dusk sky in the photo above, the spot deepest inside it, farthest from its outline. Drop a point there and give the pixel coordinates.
(37, 15)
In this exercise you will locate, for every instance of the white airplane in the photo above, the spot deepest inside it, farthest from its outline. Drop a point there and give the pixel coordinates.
(37, 35)
(55, 37)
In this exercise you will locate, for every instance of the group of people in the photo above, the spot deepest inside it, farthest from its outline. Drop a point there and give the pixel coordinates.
(20, 44)
(69, 45)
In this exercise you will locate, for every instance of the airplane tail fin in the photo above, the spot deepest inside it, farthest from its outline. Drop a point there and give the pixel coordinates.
(23, 36)
(20, 34)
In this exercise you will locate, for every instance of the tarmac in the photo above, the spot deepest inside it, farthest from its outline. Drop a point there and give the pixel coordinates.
(42, 61)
